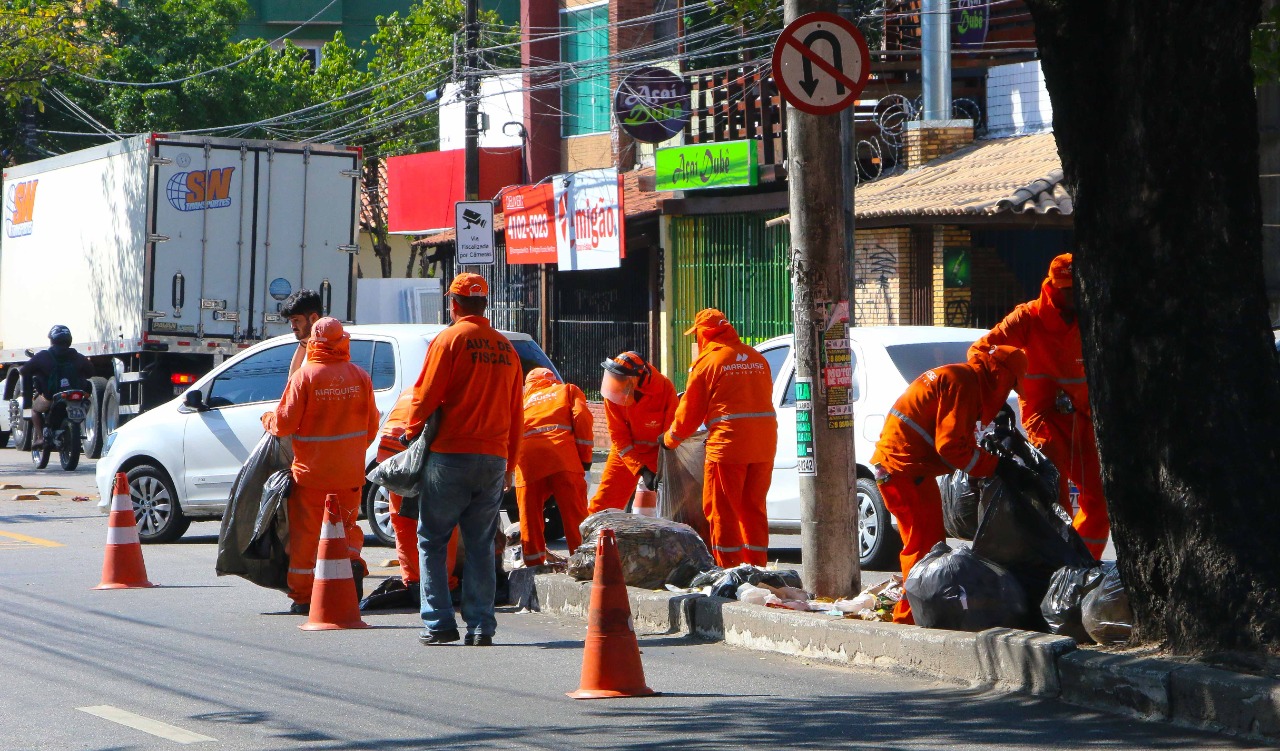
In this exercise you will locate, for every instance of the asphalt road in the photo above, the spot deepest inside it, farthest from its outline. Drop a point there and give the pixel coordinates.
(219, 663)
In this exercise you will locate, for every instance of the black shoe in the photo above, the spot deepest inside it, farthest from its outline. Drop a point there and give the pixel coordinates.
(431, 638)
(300, 608)
(478, 640)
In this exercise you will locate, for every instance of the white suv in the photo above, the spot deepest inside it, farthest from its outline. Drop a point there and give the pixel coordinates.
(181, 461)
(885, 360)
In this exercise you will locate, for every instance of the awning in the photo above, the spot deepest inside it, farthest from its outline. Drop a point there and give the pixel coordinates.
(422, 188)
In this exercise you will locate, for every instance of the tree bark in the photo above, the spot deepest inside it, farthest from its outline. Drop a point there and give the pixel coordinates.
(1156, 124)
(377, 215)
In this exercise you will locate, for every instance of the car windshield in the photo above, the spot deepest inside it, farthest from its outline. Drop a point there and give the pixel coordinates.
(913, 359)
(532, 356)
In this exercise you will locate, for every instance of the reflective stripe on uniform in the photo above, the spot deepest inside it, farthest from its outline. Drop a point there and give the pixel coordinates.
(585, 443)
(726, 550)
(928, 437)
(302, 571)
(623, 451)
(546, 429)
(326, 569)
(533, 559)
(1094, 541)
(318, 438)
(1062, 381)
(646, 443)
(722, 418)
(756, 548)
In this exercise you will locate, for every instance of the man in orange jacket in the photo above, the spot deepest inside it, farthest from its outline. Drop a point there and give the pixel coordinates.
(731, 391)
(555, 452)
(329, 410)
(1054, 396)
(931, 431)
(472, 375)
(406, 529)
(640, 404)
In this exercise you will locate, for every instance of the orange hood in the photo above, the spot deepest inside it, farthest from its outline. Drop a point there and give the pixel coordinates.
(329, 342)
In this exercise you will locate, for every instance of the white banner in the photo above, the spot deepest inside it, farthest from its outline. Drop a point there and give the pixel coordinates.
(589, 220)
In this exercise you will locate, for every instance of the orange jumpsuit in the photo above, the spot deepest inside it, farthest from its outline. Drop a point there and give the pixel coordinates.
(634, 433)
(555, 445)
(731, 391)
(406, 529)
(328, 408)
(1055, 364)
(931, 431)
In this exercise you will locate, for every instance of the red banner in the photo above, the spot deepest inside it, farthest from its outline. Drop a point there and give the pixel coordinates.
(530, 224)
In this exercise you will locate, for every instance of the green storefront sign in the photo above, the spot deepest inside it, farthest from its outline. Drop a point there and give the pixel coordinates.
(727, 164)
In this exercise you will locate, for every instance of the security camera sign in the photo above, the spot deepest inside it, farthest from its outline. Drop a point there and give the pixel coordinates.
(473, 223)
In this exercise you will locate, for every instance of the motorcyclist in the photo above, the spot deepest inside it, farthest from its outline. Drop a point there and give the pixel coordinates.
(55, 369)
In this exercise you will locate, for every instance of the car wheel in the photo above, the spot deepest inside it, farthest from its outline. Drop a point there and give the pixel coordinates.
(377, 509)
(155, 505)
(92, 429)
(878, 542)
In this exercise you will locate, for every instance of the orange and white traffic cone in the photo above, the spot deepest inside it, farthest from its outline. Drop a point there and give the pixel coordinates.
(645, 502)
(122, 566)
(611, 660)
(333, 594)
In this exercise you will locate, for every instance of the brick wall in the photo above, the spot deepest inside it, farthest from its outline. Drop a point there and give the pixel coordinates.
(926, 141)
(622, 38)
(587, 152)
(878, 258)
(598, 426)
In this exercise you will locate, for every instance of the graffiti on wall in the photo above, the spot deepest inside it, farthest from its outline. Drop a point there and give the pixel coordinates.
(873, 301)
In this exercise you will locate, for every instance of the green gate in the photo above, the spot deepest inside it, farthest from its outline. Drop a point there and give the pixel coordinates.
(731, 262)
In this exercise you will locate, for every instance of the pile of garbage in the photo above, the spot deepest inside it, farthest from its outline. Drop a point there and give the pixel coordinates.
(652, 550)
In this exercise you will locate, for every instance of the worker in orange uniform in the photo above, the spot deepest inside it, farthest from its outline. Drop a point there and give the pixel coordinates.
(731, 391)
(640, 404)
(329, 410)
(1054, 396)
(406, 529)
(555, 452)
(931, 431)
(472, 375)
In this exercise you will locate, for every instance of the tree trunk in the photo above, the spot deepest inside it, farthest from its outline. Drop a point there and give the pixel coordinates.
(1155, 119)
(375, 219)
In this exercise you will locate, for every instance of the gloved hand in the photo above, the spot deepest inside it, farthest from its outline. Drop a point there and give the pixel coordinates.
(586, 466)
(404, 439)
(648, 478)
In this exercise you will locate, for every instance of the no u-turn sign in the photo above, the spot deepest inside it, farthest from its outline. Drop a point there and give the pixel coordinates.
(821, 63)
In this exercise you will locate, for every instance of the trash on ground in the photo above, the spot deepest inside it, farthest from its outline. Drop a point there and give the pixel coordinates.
(959, 505)
(680, 474)
(874, 603)
(725, 582)
(512, 533)
(1061, 606)
(392, 594)
(1105, 612)
(958, 590)
(244, 504)
(650, 548)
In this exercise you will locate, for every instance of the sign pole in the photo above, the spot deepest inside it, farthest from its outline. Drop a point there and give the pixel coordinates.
(820, 276)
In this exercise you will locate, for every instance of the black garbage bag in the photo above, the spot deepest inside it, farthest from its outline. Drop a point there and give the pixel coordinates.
(680, 474)
(959, 505)
(240, 519)
(392, 594)
(650, 548)
(958, 590)
(1105, 612)
(267, 544)
(725, 582)
(1022, 527)
(402, 473)
(1061, 606)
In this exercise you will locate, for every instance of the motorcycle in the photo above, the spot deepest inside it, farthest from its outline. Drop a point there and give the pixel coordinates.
(63, 429)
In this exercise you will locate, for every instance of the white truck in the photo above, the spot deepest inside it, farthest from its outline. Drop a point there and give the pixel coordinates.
(165, 255)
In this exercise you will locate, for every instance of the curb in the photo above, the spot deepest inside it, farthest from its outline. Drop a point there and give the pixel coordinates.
(1023, 662)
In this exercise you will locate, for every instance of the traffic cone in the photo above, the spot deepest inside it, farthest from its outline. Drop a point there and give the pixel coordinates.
(645, 502)
(333, 593)
(122, 566)
(611, 659)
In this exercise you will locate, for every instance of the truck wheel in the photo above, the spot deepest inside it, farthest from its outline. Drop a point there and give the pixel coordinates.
(94, 435)
(155, 505)
(109, 414)
(878, 542)
(20, 427)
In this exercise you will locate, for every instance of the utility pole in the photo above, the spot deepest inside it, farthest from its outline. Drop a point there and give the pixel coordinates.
(471, 91)
(821, 277)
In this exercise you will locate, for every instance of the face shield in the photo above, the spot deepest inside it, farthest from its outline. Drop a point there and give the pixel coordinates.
(621, 390)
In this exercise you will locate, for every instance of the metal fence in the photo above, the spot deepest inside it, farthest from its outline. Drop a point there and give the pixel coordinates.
(732, 262)
(514, 292)
(585, 344)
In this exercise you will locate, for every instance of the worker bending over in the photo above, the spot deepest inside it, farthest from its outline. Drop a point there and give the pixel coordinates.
(640, 404)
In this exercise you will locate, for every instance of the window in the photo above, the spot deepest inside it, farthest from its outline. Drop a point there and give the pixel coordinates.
(258, 378)
(584, 92)
(775, 357)
(913, 359)
(377, 359)
(789, 398)
(532, 356)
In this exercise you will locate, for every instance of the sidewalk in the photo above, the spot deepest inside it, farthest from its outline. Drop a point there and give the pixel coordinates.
(1025, 662)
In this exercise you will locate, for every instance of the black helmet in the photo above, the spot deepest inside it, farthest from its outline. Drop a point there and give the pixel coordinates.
(60, 335)
(626, 365)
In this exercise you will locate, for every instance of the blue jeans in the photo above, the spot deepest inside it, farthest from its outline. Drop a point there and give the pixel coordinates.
(460, 490)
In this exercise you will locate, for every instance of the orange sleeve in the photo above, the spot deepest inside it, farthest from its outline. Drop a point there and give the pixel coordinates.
(692, 409)
(288, 415)
(955, 435)
(615, 418)
(669, 409)
(583, 423)
(1014, 331)
(428, 391)
(517, 419)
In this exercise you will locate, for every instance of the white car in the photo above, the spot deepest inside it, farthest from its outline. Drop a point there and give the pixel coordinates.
(885, 360)
(182, 457)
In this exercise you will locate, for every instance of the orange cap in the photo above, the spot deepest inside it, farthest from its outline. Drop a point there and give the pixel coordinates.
(540, 374)
(328, 330)
(469, 285)
(709, 321)
(1010, 359)
(1060, 271)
